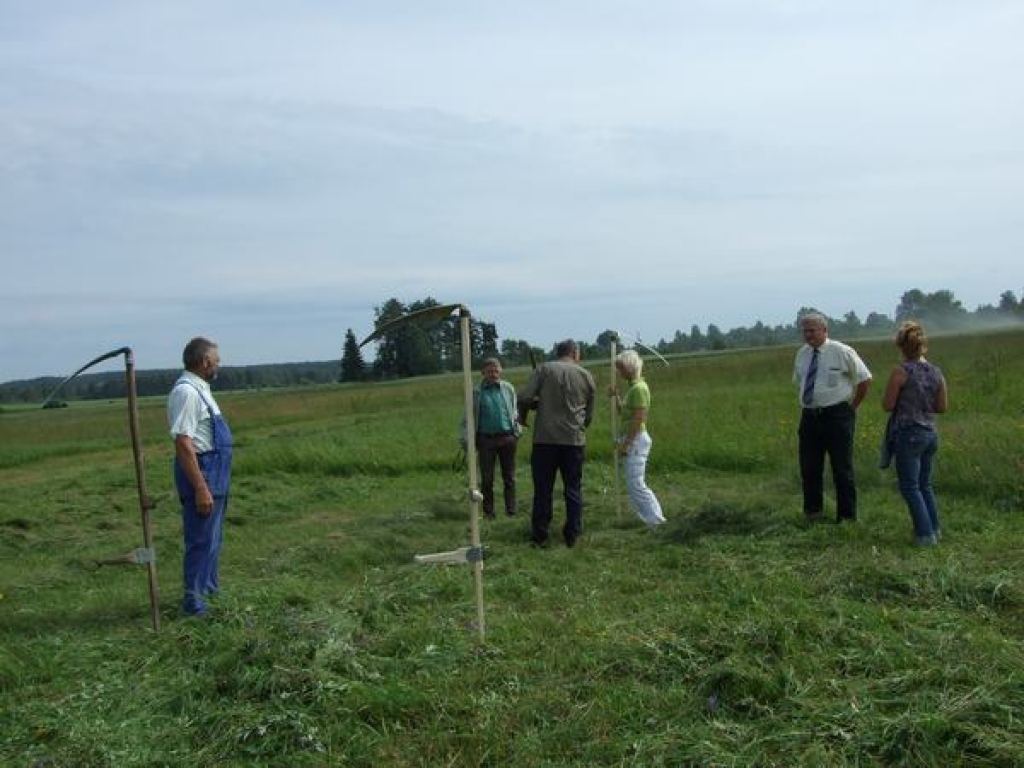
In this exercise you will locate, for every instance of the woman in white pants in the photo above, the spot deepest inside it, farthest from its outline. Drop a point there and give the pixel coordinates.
(635, 443)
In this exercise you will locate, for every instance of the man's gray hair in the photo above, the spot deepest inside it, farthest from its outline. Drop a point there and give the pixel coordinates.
(814, 318)
(195, 351)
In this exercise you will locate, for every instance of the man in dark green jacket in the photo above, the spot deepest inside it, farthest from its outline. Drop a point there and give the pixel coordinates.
(496, 417)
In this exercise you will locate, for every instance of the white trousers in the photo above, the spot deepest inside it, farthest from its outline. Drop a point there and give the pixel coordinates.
(645, 503)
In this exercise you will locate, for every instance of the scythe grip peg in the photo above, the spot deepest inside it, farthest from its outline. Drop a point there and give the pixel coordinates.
(140, 556)
(461, 555)
(475, 495)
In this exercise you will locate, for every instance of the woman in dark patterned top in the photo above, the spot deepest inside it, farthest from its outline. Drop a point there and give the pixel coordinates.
(916, 391)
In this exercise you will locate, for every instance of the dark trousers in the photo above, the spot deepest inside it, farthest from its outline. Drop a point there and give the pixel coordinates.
(828, 431)
(546, 462)
(500, 449)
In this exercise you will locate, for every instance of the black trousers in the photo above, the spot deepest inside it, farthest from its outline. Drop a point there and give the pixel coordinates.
(500, 449)
(828, 431)
(547, 462)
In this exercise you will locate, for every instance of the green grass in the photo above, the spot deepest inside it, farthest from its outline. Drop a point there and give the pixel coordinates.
(734, 635)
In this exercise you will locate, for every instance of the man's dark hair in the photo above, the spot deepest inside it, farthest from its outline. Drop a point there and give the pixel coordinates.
(566, 348)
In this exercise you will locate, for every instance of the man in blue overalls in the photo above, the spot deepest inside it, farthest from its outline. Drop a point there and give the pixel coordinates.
(202, 470)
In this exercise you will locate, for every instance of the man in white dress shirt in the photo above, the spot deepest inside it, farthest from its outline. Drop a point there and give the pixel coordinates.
(831, 382)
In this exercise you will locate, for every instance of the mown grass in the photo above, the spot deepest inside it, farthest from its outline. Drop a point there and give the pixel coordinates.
(734, 635)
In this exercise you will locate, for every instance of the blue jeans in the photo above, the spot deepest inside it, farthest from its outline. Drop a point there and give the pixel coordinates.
(914, 450)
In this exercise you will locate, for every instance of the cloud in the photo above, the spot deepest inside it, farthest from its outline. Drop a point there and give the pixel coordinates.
(270, 174)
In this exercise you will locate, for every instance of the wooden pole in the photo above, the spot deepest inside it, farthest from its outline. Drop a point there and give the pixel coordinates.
(471, 462)
(145, 502)
(615, 426)
(474, 553)
(146, 555)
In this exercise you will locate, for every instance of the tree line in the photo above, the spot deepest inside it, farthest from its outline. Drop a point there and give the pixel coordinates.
(158, 381)
(419, 350)
(413, 351)
(938, 311)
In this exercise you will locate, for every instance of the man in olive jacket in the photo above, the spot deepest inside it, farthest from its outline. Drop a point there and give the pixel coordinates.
(562, 392)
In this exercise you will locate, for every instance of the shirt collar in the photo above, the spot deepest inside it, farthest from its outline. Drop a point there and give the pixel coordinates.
(195, 380)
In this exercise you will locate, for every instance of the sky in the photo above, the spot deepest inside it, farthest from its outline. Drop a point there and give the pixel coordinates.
(267, 174)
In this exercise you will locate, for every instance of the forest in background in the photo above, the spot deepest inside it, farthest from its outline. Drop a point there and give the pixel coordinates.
(414, 350)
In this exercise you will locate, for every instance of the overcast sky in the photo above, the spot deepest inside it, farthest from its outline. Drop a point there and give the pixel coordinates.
(267, 173)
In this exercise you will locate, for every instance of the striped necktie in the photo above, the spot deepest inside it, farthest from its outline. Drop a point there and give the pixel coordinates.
(807, 396)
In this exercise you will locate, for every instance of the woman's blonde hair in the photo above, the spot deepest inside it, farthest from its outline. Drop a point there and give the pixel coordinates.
(630, 362)
(911, 339)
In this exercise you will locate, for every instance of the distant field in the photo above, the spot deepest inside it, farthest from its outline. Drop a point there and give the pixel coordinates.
(734, 635)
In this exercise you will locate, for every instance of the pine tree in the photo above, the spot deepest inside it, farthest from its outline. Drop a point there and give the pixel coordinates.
(352, 366)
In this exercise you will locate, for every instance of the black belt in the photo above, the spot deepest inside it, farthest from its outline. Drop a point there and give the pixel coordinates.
(496, 434)
(826, 409)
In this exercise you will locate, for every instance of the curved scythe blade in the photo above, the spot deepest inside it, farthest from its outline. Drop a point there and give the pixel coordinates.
(636, 343)
(87, 366)
(652, 351)
(420, 316)
(146, 555)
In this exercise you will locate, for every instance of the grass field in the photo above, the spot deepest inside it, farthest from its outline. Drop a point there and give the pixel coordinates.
(733, 635)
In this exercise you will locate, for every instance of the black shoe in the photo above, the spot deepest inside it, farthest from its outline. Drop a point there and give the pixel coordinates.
(539, 543)
(489, 515)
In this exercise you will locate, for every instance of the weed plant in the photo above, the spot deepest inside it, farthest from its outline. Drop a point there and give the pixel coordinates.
(733, 635)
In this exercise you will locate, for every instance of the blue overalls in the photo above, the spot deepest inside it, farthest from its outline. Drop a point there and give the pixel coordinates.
(203, 535)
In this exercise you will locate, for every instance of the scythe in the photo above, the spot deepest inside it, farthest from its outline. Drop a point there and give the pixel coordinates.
(474, 553)
(615, 424)
(524, 416)
(635, 341)
(145, 555)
